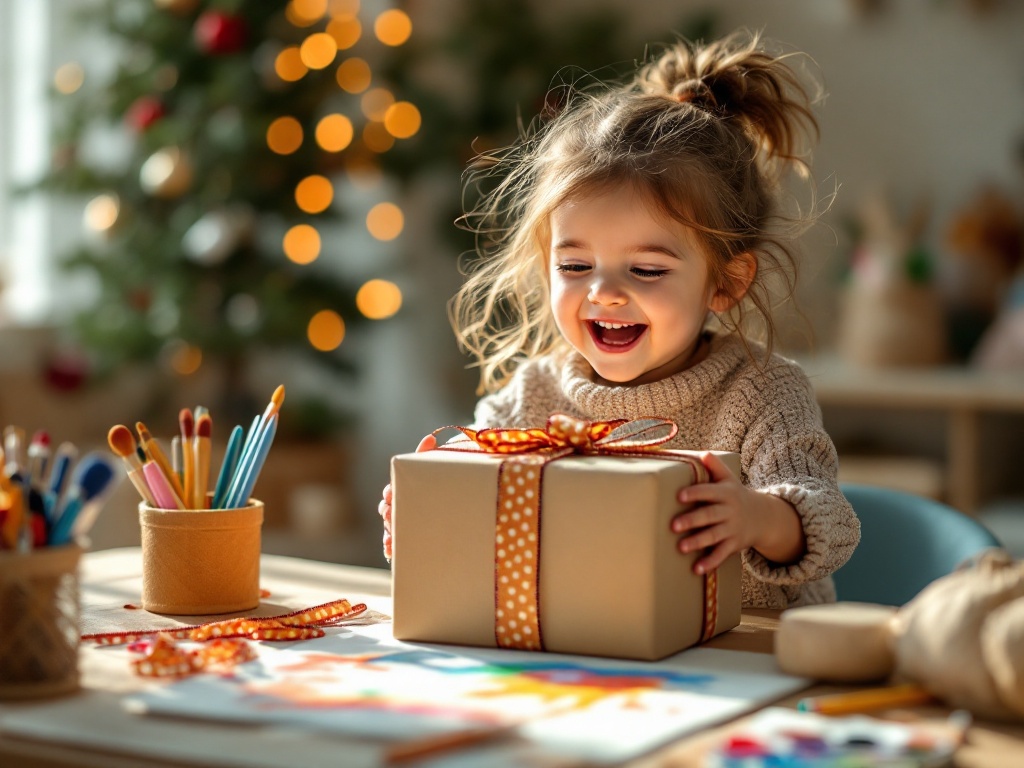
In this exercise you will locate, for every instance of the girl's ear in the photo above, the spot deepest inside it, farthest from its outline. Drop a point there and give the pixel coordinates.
(740, 273)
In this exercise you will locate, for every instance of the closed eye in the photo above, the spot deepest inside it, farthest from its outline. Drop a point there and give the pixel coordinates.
(641, 272)
(572, 267)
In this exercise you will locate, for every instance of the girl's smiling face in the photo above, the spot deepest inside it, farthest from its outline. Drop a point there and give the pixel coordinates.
(629, 286)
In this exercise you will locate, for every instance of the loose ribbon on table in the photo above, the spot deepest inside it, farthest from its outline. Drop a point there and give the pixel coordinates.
(517, 621)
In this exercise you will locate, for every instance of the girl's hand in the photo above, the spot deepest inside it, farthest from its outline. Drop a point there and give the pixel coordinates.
(730, 517)
(428, 443)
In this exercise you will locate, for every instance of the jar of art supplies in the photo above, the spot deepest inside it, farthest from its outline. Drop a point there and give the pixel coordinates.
(39, 622)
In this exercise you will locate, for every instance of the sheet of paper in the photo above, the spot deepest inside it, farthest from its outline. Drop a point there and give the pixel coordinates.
(360, 681)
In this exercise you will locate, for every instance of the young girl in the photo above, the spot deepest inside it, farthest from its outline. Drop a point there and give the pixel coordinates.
(623, 251)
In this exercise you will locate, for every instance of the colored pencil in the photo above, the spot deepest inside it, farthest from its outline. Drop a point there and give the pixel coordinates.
(907, 695)
(252, 471)
(227, 468)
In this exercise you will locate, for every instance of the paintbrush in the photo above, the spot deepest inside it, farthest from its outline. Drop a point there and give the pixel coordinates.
(156, 454)
(89, 482)
(122, 443)
(186, 423)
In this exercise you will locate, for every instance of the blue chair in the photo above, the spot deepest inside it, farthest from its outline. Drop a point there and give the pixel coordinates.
(907, 541)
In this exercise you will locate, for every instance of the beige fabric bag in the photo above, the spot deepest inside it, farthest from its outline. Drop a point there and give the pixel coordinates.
(961, 637)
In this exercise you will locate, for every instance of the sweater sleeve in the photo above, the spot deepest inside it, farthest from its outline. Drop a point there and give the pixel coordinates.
(787, 453)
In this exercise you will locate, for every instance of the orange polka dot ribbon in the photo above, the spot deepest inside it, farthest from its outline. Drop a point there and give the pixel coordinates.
(517, 617)
(225, 642)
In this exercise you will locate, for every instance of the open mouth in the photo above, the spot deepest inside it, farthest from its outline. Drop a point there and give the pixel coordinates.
(615, 337)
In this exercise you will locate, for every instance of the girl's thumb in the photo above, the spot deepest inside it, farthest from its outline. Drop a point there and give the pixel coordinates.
(428, 443)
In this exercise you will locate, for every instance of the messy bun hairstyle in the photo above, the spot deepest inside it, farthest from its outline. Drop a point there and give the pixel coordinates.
(706, 131)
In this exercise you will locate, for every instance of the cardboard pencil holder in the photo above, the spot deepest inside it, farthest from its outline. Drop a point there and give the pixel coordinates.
(197, 562)
(39, 622)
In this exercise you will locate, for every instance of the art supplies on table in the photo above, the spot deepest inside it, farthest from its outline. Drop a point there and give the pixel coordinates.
(47, 499)
(783, 738)
(183, 482)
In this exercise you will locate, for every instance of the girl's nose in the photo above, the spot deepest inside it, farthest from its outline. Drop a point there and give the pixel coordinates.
(606, 292)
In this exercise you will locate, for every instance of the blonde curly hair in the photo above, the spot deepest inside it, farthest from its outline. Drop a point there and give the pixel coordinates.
(706, 131)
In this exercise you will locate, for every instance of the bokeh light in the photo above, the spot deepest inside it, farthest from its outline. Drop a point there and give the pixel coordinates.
(402, 119)
(334, 133)
(385, 221)
(318, 50)
(379, 299)
(184, 358)
(101, 213)
(326, 330)
(302, 244)
(289, 66)
(345, 31)
(376, 138)
(304, 13)
(353, 75)
(342, 9)
(284, 135)
(393, 27)
(69, 77)
(314, 194)
(375, 103)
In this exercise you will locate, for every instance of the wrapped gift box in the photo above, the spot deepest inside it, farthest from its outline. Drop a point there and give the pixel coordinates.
(611, 581)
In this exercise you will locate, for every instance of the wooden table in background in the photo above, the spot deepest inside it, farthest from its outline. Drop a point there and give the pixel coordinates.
(960, 394)
(112, 578)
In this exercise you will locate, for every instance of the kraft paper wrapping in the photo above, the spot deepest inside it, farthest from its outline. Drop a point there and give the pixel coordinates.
(197, 562)
(612, 582)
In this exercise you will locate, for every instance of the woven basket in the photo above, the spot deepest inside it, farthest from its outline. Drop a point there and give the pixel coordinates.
(39, 622)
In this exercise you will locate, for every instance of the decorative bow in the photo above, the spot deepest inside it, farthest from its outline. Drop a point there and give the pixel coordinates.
(565, 434)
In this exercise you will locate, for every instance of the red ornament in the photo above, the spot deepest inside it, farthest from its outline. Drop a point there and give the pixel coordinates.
(143, 112)
(220, 33)
(66, 371)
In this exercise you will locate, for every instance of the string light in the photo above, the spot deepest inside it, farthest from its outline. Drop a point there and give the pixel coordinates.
(284, 135)
(302, 244)
(318, 50)
(346, 32)
(343, 9)
(69, 77)
(378, 299)
(376, 138)
(375, 103)
(305, 13)
(101, 213)
(334, 133)
(314, 194)
(393, 27)
(326, 330)
(385, 221)
(353, 75)
(185, 359)
(289, 66)
(402, 119)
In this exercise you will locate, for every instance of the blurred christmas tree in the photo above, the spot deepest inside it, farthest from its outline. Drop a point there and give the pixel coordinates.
(236, 120)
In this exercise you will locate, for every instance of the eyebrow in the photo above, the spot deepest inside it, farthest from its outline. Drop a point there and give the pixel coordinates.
(640, 248)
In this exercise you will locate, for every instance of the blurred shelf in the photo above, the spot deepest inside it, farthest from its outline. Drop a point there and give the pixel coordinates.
(961, 395)
(913, 474)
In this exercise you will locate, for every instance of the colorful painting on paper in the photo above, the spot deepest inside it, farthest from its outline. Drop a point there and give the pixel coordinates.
(362, 681)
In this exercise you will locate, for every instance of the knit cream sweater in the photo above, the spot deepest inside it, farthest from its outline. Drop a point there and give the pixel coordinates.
(725, 402)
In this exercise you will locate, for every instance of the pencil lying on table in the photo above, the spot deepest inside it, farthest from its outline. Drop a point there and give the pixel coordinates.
(908, 695)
